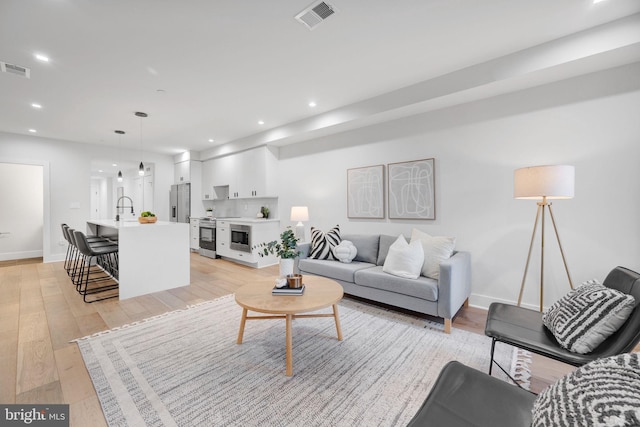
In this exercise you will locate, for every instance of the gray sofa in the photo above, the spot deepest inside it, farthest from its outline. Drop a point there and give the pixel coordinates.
(363, 277)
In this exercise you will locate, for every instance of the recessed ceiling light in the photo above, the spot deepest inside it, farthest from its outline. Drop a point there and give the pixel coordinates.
(38, 106)
(33, 130)
(597, 1)
(100, 170)
(115, 165)
(260, 122)
(210, 139)
(312, 104)
(42, 58)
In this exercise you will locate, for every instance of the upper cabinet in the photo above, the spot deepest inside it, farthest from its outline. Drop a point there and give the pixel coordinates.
(207, 180)
(182, 172)
(247, 174)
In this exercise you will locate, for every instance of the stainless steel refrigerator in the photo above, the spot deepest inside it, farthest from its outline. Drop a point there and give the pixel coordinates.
(180, 200)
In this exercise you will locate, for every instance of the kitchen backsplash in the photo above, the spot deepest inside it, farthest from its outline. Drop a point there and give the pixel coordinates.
(242, 207)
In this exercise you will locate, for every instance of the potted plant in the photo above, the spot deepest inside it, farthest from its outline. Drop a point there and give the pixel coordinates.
(265, 212)
(285, 249)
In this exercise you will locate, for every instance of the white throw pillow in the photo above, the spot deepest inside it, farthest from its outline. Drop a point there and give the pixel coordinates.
(404, 259)
(436, 249)
(345, 252)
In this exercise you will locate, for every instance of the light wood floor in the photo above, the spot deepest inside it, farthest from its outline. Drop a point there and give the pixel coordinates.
(40, 312)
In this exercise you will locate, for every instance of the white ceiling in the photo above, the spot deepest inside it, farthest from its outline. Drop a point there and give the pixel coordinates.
(223, 65)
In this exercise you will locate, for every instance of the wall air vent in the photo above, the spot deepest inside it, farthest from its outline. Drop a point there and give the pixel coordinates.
(315, 14)
(21, 71)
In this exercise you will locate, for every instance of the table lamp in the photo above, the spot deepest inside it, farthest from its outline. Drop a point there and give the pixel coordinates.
(299, 214)
(543, 183)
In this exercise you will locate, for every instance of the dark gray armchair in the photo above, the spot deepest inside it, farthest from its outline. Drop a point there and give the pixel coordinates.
(464, 397)
(603, 392)
(523, 328)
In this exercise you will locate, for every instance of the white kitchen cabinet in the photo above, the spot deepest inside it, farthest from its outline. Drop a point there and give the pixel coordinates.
(194, 234)
(261, 231)
(182, 172)
(247, 174)
(190, 171)
(223, 238)
(207, 180)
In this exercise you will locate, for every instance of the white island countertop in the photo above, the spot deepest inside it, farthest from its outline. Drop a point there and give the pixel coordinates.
(127, 223)
(151, 257)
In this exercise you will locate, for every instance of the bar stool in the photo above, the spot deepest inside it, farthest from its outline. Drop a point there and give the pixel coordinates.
(71, 254)
(105, 258)
(74, 257)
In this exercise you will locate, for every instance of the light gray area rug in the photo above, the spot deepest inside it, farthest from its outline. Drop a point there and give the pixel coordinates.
(184, 368)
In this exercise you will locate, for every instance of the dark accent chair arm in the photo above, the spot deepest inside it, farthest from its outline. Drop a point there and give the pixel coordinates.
(465, 397)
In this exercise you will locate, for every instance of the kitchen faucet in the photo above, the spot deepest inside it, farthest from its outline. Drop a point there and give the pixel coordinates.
(123, 206)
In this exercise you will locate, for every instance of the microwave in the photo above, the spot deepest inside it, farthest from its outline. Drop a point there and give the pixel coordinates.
(240, 237)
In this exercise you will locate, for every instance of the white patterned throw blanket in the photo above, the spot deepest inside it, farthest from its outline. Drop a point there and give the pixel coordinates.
(184, 368)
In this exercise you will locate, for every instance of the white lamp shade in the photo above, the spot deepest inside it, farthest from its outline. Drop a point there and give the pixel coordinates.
(536, 182)
(299, 213)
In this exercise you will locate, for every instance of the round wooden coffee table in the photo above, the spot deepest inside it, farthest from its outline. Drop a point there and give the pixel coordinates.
(319, 293)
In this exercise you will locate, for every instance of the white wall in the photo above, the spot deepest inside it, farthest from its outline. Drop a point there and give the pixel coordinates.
(68, 181)
(590, 122)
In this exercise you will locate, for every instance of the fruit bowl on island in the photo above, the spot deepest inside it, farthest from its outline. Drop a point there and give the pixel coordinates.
(147, 218)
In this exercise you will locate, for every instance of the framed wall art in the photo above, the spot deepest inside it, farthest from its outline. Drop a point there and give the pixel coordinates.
(411, 189)
(365, 192)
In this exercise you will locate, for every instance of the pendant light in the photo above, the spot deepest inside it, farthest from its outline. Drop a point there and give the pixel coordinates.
(120, 133)
(141, 168)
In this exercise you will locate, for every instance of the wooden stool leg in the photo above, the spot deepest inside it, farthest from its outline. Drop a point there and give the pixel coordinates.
(243, 320)
(289, 346)
(337, 318)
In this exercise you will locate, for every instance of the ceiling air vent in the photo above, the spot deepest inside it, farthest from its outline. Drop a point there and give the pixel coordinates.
(5, 67)
(315, 14)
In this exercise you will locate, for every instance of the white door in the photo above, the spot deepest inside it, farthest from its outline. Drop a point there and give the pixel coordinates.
(21, 216)
(95, 199)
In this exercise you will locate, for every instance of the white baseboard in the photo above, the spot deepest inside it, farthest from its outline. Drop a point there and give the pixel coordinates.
(55, 258)
(10, 256)
(484, 301)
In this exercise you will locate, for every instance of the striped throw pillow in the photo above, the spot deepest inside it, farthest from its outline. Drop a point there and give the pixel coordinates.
(601, 393)
(322, 244)
(585, 317)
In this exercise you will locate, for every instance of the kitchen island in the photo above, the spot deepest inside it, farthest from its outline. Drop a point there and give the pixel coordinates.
(152, 257)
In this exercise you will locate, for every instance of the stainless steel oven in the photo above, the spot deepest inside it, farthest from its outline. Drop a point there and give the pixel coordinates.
(240, 237)
(208, 238)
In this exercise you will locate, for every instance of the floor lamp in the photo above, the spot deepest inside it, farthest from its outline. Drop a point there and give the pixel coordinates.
(543, 183)
(299, 214)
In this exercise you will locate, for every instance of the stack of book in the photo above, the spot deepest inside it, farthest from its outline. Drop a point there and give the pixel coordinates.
(287, 291)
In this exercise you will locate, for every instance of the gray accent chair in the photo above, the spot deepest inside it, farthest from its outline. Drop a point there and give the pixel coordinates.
(523, 328)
